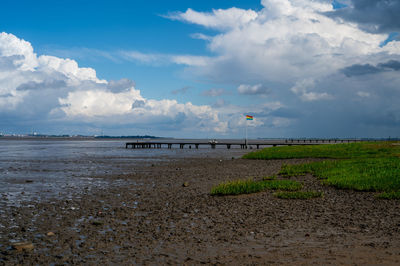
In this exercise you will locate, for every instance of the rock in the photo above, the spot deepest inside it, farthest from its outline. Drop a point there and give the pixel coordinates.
(23, 246)
(50, 234)
(28, 181)
(186, 184)
(97, 223)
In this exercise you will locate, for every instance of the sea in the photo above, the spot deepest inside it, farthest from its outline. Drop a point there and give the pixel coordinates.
(33, 170)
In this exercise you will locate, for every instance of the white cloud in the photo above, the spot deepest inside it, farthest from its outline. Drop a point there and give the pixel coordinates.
(47, 87)
(201, 36)
(149, 58)
(69, 68)
(303, 87)
(162, 59)
(190, 60)
(298, 51)
(217, 19)
(286, 41)
(98, 103)
(12, 46)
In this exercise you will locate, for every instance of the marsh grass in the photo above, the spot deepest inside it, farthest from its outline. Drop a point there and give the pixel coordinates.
(389, 195)
(333, 151)
(298, 194)
(366, 174)
(238, 187)
(359, 166)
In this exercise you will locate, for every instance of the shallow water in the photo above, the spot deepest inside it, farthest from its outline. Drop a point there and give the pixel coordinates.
(33, 170)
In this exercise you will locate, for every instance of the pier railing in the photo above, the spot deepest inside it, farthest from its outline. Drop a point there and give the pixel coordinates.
(228, 145)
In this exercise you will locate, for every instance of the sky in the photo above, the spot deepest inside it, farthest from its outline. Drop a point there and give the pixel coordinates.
(195, 69)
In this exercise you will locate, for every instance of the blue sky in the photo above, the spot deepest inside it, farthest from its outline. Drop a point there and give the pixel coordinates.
(194, 68)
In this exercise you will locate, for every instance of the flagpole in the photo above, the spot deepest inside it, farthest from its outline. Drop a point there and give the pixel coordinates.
(246, 135)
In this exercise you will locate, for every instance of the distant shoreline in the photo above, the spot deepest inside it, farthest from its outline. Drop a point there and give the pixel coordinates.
(46, 137)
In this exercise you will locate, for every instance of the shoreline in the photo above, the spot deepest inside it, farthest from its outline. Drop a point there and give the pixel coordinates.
(157, 220)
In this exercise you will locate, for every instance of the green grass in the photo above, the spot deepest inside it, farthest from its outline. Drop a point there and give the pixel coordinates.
(389, 195)
(359, 166)
(298, 194)
(238, 187)
(366, 174)
(333, 151)
(368, 166)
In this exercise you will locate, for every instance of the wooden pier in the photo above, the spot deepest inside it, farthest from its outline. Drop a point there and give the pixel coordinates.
(228, 145)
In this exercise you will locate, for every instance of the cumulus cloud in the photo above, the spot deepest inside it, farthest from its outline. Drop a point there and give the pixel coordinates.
(49, 88)
(306, 50)
(285, 40)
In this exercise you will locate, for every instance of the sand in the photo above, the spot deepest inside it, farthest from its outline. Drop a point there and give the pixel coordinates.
(157, 220)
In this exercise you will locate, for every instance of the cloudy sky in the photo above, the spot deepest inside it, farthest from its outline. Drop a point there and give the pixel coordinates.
(194, 69)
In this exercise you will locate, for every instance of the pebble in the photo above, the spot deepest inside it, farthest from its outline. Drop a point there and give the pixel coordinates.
(97, 223)
(186, 184)
(23, 246)
(50, 234)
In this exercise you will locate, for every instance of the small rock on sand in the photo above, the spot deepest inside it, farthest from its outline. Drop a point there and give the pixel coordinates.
(23, 246)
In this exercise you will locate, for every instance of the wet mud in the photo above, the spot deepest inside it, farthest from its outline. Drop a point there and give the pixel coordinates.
(164, 214)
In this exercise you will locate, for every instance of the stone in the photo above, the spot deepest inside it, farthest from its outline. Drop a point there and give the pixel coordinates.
(97, 223)
(23, 246)
(186, 184)
(50, 234)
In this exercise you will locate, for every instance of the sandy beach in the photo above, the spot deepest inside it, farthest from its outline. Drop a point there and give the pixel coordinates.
(167, 216)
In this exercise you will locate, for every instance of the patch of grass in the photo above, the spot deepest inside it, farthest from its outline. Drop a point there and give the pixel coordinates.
(366, 166)
(333, 151)
(389, 195)
(238, 187)
(298, 194)
(366, 174)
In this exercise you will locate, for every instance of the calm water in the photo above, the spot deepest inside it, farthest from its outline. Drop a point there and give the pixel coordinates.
(38, 169)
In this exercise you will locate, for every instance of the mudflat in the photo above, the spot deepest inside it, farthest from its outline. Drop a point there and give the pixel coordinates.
(166, 215)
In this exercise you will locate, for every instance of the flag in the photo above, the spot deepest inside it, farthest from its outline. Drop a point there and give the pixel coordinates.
(249, 117)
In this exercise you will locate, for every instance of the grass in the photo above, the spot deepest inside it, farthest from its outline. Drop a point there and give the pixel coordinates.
(332, 151)
(238, 187)
(359, 166)
(366, 174)
(298, 194)
(389, 195)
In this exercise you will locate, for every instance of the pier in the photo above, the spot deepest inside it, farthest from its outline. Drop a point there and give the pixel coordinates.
(228, 144)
